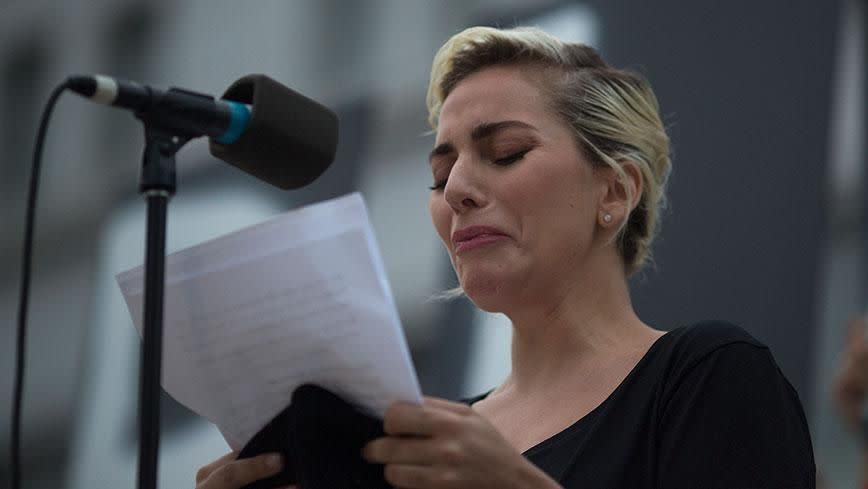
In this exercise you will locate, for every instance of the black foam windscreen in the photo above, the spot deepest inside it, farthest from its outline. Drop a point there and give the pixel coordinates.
(290, 139)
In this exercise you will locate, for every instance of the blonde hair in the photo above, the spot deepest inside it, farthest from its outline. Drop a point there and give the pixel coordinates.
(613, 113)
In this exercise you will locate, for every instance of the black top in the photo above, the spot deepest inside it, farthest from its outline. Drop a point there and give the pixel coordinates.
(706, 407)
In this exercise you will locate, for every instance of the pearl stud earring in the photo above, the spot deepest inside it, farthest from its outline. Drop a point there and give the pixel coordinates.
(607, 218)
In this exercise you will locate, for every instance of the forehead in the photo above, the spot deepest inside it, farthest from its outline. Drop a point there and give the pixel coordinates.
(490, 95)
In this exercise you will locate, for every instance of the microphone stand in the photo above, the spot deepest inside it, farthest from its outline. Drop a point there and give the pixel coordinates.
(157, 185)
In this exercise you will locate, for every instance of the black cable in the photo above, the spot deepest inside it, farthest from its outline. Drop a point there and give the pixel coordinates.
(30, 223)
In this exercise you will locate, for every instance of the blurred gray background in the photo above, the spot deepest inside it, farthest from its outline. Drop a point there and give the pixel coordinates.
(765, 102)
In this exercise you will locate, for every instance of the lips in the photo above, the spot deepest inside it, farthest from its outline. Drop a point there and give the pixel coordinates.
(473, 237)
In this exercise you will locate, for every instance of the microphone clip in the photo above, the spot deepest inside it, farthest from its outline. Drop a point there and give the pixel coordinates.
(158, 159)
(185, 113)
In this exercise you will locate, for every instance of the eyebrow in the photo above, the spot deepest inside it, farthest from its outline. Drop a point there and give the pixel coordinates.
(482, 131)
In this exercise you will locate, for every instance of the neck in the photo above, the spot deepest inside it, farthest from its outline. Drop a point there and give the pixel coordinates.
(576, 329)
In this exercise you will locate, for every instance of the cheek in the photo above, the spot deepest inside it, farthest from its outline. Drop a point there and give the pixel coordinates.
(559, 204)
(441, 217)
(542, 190)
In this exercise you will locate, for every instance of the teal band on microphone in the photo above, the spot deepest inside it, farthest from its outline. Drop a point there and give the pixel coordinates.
(237, 123)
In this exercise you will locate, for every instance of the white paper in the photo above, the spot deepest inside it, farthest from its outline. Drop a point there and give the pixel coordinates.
(250, 316)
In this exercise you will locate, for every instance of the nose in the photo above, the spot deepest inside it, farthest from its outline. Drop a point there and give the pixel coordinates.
(464, 189)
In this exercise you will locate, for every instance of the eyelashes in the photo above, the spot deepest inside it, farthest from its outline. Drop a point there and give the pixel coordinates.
(505, 161)
(511, 158)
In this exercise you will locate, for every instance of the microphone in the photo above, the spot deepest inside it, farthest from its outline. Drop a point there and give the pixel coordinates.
(190, 113)
(259, 125)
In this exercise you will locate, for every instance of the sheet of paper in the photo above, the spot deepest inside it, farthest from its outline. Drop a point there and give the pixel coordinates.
(250, 316)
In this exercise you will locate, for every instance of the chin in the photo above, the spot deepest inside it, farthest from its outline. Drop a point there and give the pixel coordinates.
(488, 293)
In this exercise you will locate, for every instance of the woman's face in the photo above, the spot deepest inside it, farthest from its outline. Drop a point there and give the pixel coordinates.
(515, 201)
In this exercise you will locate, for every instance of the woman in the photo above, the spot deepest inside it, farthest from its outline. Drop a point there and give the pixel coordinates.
(549, 168)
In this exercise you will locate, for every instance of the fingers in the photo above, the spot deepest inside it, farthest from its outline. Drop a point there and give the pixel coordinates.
(403, 419)
(206, 470)
(414, 476)
(416, 451)
(434, 416)
(442, 444)
(451, 406)
(235, 474)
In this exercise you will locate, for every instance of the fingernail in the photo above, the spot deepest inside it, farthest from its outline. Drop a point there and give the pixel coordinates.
(275, 461)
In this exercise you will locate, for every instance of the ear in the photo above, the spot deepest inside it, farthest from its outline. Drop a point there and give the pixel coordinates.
(621, 194)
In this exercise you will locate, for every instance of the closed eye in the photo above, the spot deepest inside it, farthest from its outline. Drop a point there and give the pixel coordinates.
(508, 160)
(505, 161)
(438, 185)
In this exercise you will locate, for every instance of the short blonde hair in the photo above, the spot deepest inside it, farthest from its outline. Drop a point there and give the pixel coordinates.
(613, 113)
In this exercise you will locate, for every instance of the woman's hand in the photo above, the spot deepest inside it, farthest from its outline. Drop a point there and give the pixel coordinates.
(851, 382)
(228, 473)
(443, 444)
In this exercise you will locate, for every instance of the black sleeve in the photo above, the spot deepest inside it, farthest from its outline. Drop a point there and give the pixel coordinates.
(734, 421)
